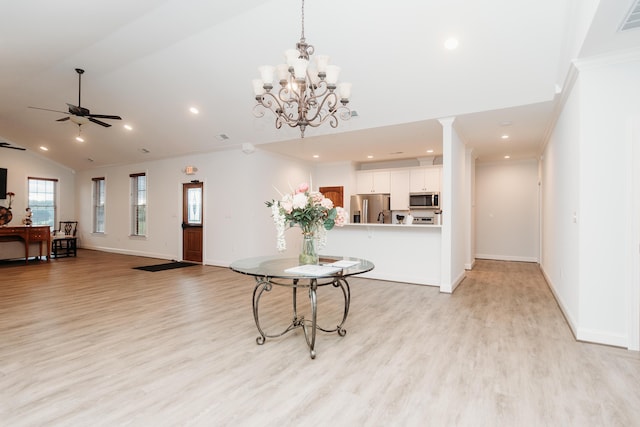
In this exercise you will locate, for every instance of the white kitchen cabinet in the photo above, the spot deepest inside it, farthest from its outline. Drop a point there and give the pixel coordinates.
(399, 190)
(368, 182)
(425, 179)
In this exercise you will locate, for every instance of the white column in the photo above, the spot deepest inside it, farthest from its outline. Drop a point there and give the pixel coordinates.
(446, 204)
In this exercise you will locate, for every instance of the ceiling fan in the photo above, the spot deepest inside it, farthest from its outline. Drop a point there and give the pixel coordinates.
(7, 145)
(80, 115)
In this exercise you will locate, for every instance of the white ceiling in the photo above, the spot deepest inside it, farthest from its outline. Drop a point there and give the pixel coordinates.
(150, 60)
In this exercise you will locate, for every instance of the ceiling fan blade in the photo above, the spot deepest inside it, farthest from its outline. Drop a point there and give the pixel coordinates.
(6, 145)
(103, 116)
(62, 119)
(47, 109)
(91, 119)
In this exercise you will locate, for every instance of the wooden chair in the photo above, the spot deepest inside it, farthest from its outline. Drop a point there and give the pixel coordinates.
(64, 241)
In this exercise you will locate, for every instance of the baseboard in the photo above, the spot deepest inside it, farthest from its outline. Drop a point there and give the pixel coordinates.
(506, 258)
(129, 252)
(448, 289)
(583, 334)
(600, 337)
(567, 316)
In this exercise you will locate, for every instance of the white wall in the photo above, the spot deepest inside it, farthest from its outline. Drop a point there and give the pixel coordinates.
(507, 210)
(560, 199)
(470, 196)
(23, 164)
(237, 223)
(589, 250)
(634, 243)
(336, 174)
(609, 100)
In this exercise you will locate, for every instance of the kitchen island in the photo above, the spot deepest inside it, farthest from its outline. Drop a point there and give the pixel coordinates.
(401, 253)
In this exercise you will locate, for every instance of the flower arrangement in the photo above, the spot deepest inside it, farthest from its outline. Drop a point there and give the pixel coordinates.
(309, 210)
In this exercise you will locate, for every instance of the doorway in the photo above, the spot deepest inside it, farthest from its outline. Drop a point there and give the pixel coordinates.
(335, 194)
(192, 221)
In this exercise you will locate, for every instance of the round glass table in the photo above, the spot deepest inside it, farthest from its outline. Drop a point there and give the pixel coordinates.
(286, 272)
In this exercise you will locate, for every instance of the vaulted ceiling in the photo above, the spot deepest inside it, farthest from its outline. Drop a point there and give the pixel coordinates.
(149, 61)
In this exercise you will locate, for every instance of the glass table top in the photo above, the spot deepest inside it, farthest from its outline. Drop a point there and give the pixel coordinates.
(289, 268)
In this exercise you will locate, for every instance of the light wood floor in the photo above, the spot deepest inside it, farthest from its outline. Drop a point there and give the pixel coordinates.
(89, 341)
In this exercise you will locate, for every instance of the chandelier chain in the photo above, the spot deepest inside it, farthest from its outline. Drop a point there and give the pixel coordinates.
(302, 19)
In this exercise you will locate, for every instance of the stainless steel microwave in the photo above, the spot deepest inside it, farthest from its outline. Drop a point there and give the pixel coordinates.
(424, 200)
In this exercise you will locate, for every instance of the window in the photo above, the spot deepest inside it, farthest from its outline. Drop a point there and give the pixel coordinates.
(99, 192)
(138, 204)
(42, 201)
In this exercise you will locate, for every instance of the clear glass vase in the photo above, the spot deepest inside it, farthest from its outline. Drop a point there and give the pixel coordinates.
(309, 254)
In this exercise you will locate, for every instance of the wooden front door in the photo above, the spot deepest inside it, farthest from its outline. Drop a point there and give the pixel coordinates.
(192, 221)
(335, 194)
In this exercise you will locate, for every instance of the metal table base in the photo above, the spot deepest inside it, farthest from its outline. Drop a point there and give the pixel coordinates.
(309, 327)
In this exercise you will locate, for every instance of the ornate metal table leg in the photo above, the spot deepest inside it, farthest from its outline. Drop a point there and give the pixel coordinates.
(263, 285)
(294, 291)
(314, 316)
(310, 335)
(346, 292)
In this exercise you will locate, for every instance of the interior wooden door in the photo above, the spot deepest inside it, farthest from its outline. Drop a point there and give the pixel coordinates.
(335, 194)
(192, 221)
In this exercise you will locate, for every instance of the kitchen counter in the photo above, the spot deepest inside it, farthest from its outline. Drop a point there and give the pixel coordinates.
(376, 224)
(400, 252)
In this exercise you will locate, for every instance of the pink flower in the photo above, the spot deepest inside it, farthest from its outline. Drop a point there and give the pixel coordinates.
(302, 188)
(316, 197)
(341, 216)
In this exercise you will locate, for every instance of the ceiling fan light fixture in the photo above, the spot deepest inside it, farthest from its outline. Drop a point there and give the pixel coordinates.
(78, 114)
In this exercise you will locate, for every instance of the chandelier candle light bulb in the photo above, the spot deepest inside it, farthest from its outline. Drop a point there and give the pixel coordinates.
(307, 96)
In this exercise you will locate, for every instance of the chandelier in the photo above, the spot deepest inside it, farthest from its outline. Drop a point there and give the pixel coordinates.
(309, 94)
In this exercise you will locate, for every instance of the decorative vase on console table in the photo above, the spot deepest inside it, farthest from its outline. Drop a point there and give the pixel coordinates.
(5, 213)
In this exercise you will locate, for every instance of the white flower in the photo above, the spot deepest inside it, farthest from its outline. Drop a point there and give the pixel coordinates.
(280, 222)
(326, 203)
(300, 201)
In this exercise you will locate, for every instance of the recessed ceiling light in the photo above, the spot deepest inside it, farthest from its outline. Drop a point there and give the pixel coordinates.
(316, 156)
(194, 110)
(429, 151)
(79, 138)
(505, 136)
(144, 150)
(369, 156)
(507, 156)
(451, 43)
(43, 148)
(222, 137)
(128, 127)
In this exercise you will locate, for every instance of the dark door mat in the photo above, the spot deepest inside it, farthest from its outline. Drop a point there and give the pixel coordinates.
(166, 266)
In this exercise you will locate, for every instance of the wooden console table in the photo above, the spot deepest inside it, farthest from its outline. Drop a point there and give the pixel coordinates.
(28, 234)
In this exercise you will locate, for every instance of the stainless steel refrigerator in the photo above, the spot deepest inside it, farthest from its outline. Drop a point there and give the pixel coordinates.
(371, 208)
